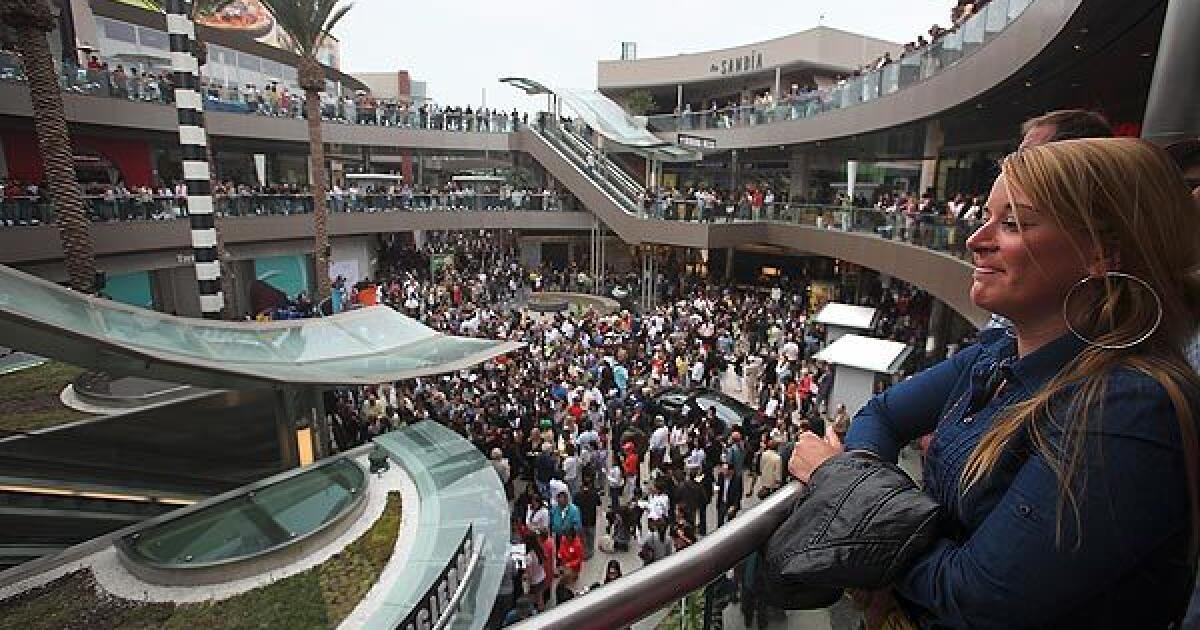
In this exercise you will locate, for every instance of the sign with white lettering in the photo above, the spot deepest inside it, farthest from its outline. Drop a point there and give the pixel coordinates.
(749, 62)
(695, 142)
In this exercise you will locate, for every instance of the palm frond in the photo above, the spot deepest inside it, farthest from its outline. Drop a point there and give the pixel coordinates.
(199, 7)
(307, 22)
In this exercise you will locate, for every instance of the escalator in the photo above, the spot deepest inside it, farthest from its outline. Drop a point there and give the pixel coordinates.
(605, 189)
(64, 486)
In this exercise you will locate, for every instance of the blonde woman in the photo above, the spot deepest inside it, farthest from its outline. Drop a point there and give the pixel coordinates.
(1065, 449)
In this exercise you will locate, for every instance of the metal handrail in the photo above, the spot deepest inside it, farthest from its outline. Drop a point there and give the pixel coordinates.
(464, 584)
(556, 138)
(640, 593)
(617, 174)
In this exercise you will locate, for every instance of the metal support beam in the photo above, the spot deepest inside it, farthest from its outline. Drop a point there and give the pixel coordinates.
(649, 284)
(1171, 112)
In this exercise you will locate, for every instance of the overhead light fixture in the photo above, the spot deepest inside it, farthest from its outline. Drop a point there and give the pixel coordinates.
(1029, 84)
(1077, 47)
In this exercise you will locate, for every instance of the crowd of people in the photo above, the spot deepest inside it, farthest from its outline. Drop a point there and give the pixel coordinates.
(25, 204)
(803, 100)
(275, 98)
(573, 430)
(591, 463)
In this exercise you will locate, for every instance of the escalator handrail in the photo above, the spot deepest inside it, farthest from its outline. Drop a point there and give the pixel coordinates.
(604, 165)
(610, 170)
(637, 594)
(626, 204)
(619, 174)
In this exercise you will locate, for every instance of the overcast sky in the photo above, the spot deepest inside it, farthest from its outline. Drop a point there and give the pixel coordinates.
(463, 46)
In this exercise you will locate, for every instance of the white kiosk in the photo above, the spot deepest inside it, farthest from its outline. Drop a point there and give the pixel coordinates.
(841, 319)
(856, 360)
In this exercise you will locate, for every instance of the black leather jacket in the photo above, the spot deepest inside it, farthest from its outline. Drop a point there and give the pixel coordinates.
(859, 525)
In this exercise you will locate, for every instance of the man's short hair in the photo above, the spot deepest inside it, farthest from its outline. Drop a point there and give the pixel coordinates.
(1185, 152)
(1071, 124)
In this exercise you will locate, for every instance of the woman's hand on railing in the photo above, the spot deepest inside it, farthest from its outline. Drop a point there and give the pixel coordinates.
(811, 451)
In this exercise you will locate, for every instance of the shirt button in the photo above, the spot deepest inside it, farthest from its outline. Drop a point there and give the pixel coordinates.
(1024, 510)
(968, 420)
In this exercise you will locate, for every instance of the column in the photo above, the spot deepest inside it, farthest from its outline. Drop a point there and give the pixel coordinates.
(935, 342)
(728, 264)
(851, 177)
(679, 96)
(778, 77)
(798, 168)
(1171, 112)
(193, 143)
(934, 140)
(735, 176)
(260, 168)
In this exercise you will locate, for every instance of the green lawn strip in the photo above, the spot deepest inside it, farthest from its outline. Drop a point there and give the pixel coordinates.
(347, 577)
(320, 597)
(695, 613)
(29, 398)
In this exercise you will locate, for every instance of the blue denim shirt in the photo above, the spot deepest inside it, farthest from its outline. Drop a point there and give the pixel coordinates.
(1125, 565)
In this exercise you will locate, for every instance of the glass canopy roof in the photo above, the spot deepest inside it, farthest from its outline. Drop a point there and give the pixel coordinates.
(261, 518)
(366, 346)
(610, 120)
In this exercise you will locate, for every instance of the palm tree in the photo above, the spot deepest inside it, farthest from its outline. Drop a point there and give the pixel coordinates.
(33, 20)
(308, 23)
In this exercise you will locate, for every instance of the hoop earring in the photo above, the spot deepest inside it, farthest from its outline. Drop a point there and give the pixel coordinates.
(1115, 346)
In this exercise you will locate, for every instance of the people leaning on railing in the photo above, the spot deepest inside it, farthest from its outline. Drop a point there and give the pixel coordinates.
(1062, 454)
(917, 60)
(25, 206)
(99, 77)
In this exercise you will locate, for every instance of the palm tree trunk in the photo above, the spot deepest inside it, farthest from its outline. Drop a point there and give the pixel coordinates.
(54, 142)
(316, 151)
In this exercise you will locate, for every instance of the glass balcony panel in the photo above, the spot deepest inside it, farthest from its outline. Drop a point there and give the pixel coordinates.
(890, 77)
(1016, 8)
(950, 49)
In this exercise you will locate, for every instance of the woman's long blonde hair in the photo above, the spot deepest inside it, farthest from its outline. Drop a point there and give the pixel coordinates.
(1126, 198)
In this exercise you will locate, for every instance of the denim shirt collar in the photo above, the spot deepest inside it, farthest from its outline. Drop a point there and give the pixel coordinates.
(1035, 369)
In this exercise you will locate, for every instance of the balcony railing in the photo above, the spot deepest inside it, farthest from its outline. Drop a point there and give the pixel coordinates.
(908, 70)
(16, 212)
(154, 89)
(932, 231)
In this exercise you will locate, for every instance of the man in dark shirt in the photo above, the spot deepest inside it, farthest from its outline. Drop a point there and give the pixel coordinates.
(690, 495)
(729, 494)
(588, 500)
(544, 469)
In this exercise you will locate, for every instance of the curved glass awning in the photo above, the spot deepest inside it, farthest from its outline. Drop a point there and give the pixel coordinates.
(610, 120)
(361, 347)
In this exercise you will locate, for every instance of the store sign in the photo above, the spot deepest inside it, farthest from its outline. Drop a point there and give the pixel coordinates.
(695, 142)
(749, 62)
(437, 599)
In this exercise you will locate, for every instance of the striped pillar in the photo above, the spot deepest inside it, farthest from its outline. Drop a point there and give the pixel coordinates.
(193, 142)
